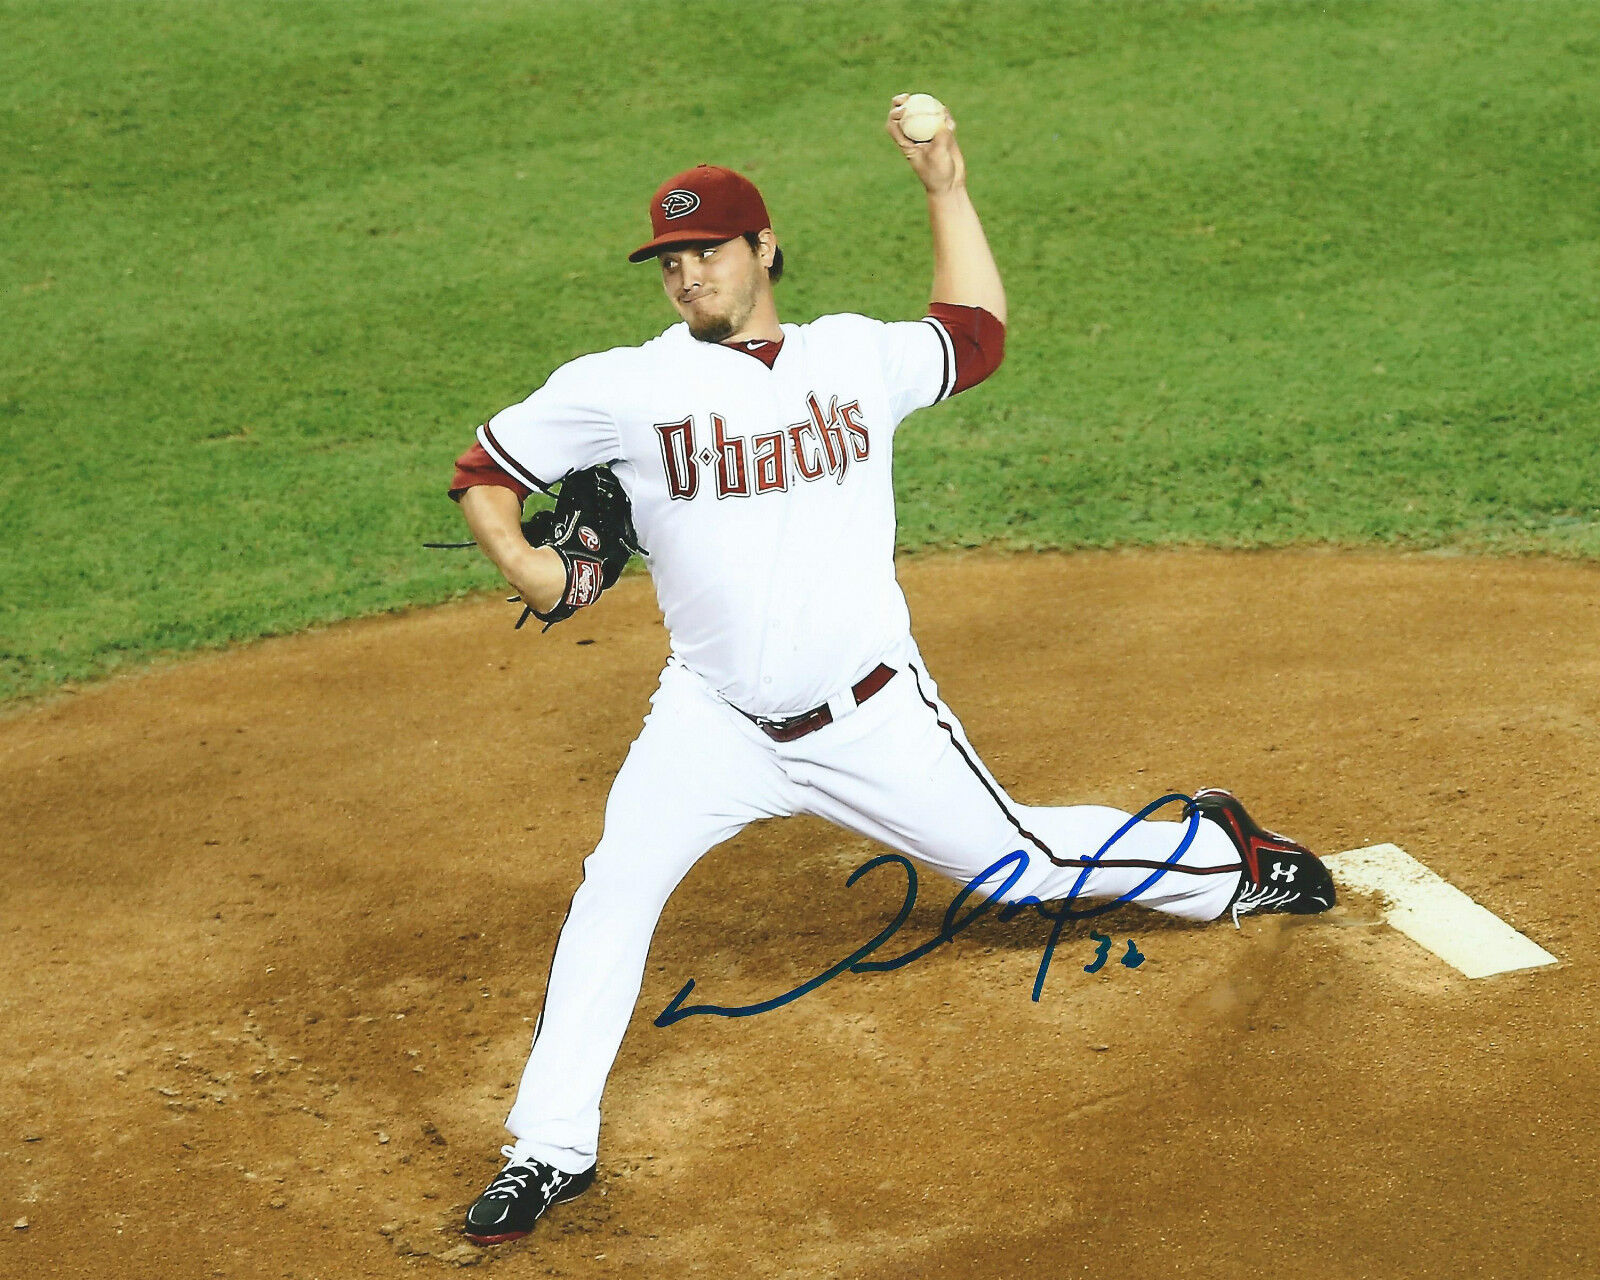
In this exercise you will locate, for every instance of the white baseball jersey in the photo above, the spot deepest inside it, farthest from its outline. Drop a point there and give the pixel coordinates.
(763, 495)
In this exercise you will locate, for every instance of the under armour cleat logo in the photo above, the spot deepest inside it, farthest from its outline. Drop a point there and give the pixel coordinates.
(1283, 871)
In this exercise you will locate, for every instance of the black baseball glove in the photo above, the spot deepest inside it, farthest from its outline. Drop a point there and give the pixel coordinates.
(591, 529)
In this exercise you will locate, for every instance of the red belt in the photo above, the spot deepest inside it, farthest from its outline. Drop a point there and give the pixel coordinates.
(810, 721)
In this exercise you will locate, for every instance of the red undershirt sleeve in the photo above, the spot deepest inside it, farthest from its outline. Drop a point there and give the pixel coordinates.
(977, 340)
(476, 467)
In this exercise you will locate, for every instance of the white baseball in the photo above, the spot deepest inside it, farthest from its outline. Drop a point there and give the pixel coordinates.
(922, 117)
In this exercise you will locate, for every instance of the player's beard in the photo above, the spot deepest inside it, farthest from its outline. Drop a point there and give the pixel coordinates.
(719, 328)
(713, 328)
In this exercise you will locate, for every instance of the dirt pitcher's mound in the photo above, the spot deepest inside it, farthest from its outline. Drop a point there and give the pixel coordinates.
(276, 923)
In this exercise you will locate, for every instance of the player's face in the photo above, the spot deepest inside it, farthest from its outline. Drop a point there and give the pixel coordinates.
(715, 287)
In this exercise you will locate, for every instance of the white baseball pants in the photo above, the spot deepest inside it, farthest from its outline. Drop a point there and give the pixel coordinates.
(897, 768)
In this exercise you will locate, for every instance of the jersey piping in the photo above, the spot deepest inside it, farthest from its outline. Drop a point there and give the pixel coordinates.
(507, 463)
(948, 347)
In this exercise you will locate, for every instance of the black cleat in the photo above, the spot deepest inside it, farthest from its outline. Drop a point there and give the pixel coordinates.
(512, 1203)
(1279, 875)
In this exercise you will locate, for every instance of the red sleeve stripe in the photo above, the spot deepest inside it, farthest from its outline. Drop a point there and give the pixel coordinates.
(475, 467)
(949, 350)
(978, 341)
(507, 463)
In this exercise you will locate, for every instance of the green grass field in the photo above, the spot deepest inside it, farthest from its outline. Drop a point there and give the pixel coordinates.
(1279, 273)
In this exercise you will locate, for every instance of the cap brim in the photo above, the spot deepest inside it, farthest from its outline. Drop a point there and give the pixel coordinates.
(699, 235)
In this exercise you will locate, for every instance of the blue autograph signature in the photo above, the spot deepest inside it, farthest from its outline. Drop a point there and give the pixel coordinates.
(1012, 867)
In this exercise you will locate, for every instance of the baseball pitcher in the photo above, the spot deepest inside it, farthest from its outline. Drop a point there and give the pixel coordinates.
(749, 461)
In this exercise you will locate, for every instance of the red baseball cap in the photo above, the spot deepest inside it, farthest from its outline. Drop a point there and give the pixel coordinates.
(707, 202)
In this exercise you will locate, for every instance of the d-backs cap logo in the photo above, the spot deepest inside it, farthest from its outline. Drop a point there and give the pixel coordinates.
(679, 203)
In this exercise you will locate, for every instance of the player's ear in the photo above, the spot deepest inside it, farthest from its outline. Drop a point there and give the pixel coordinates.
(769, 254)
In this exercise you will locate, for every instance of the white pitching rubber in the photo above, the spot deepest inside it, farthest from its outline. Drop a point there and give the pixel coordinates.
(1432, 911)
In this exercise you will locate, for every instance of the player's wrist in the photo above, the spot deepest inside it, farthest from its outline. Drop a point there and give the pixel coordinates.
(951, 196)
(582, 581)
(540, 578)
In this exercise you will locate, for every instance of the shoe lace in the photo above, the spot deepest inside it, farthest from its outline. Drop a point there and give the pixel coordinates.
(513, 1178)
(1260, 897)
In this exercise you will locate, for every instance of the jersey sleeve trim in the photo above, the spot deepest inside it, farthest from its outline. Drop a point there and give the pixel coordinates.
(507, 463)
(976, 342)
(947, 380)
(475, 467)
